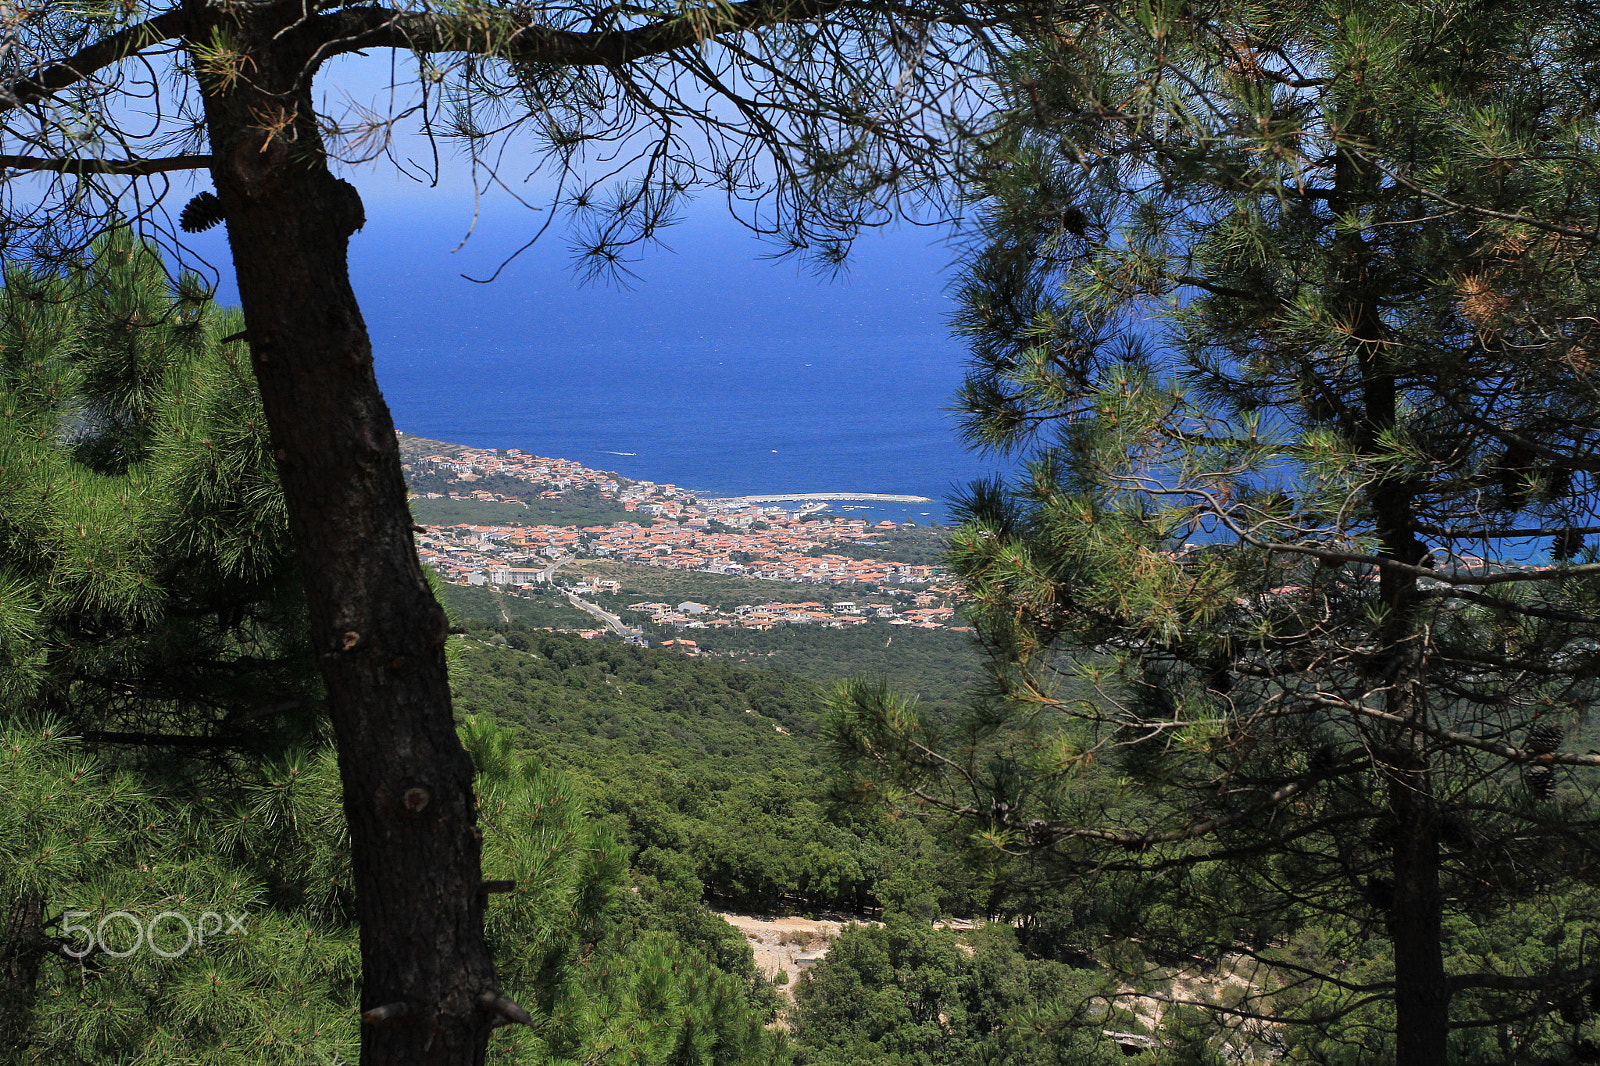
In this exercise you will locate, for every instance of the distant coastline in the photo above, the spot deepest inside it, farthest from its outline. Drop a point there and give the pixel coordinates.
(563, 512)
(414, 447)
(800, 497)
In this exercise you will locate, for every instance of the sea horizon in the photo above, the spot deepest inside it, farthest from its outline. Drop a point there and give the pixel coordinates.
(718, 370)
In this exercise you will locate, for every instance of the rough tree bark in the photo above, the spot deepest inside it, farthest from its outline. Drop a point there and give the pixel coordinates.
(1397, 672)
(22, 945)
(428, 991)
(1421, 989)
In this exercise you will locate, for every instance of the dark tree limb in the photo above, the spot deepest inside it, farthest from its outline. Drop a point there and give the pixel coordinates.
(1515, 983)
(356, 28)
(103, 53)
(127, 167)
(1493, 747)
(22, 941)
(161, 740)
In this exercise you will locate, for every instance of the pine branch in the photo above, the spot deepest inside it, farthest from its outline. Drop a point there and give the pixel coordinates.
(1205, 827)
(356, 28)
(103, 53)
(158, 740)
(127, 167)
(1518, 217)
(1531, 610)
(1266, 846)
(1493, 747)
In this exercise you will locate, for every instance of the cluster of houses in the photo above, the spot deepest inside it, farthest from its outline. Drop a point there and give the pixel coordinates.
(554, 477)
(786, 547)
(927, 614)
(679, 531)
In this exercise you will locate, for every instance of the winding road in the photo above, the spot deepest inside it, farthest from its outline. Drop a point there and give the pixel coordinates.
(618, 626)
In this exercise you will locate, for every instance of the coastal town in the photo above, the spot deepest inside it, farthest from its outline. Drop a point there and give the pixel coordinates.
(675, 529)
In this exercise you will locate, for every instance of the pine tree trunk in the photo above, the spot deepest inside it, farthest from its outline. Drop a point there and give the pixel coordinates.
(22, 943)
(376, 628)
(1397, 670)
(1421, 994)
(1416, 914)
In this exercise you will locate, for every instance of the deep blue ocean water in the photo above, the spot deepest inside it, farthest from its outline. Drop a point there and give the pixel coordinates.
(718, 370)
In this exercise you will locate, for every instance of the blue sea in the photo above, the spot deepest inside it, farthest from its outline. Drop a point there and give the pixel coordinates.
(715, 369)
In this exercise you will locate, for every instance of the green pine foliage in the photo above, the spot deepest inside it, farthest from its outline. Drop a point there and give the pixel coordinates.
(601, 978)
(1286, 311)
(142, 959)
(905, 993)
(144, 552)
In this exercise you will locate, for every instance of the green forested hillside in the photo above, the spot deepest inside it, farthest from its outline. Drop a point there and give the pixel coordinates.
(540, 608)
(580, 507)
(711, 771)
(940, 666)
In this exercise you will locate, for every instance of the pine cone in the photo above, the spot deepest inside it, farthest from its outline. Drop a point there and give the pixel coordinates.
(1540, 781)
(1455, 832)
(201, 213)
(1545, 737)
(1323, 757)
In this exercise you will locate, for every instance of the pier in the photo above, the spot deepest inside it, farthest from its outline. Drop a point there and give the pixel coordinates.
(800, 497)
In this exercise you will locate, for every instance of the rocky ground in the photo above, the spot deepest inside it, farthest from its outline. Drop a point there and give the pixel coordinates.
(779, 943)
